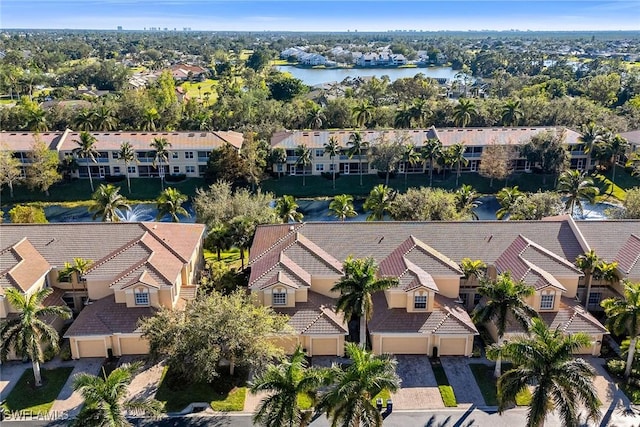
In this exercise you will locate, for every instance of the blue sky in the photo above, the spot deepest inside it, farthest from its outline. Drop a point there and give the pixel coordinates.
(328, 15)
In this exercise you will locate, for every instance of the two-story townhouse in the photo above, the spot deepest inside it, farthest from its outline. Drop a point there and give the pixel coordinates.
(294, 267)
(21, 143)
(474, 140)
(136, 268)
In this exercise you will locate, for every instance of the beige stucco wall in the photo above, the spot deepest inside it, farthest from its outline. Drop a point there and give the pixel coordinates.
(97, 289)
(456, 346)
(165, 298)
(153, 296)
(301, 295)
(411, 299)
(448, 286)
(4, 307)
(535, 300)
(288, 343)
(323, 285)
(267, 297)
(571, 283)
(396, 298)
(88, 347)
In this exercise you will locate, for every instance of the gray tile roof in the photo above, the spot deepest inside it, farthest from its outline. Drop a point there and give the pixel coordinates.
(615, 241)
(317, 316)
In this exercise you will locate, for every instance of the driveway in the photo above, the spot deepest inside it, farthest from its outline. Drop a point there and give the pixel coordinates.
(10, 373)
(419, 389)
(462, 380)
(69, 402)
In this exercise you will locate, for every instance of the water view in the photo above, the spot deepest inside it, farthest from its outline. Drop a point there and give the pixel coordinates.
(316, 76)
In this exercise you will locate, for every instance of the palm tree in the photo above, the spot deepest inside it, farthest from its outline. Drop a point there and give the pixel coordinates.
(379, 202)
(511, 113)
(104, 118)
(575, 186)
(473, 269)
(304, 159)
(84, 120)
(149, 118)
(617, 147)
(161, 147)
(420, 111)
(74, 273)
(504, 302)
(606, 271)
(347, 402)
(455, 153)
(591, 136)
(410, 156)
(357, 146)
(463, 112)
(107, 202)
(86, 150)
(545, 360)
(508, 198)
(219, 237)
(432, 149)
(587, 263)
(285, 383)
(467, 200)
(360, 281)
(127, 155)
(363, 113)
(104, 398)
(287, 209)
(342, 207)
(403, 117)
(170, 203)
(315, 118)
(333, 149)
(26, 332)
(623, 317)
(36, 119)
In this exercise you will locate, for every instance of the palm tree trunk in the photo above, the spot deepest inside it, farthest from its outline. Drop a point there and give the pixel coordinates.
(363, 331)
(386, 179)
(232, 365)
(128, 178)
(613, 173)
(498, 369)
(242, 258)
(161, 175)
(304, 176)
(36, 372)
(218, 250)
(458, 174)
(405, 176)
(11, 190)
(90, 178)
(333, 165)
(431, 172)
(360, 160)
(632, 351)
(588, 277)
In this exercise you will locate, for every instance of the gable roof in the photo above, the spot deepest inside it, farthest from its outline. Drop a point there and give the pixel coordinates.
(316, 316)
(21, 265)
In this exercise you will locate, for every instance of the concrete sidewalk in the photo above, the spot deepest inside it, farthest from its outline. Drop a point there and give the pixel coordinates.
(69, 401)
(10, 373)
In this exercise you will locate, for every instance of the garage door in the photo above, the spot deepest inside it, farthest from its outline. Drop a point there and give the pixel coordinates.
(324, 346)
(134, 346)
(289, 344)
(452, 346)
(92, 348)
(404, 345)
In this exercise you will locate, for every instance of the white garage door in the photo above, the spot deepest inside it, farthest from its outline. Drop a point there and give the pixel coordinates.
(452, 346)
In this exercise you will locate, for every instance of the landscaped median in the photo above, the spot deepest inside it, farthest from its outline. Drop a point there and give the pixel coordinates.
(25, 397)
(487, 383)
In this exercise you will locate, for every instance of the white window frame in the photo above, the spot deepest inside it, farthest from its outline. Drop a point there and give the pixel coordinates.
(319, 167)
(116, 170)
(188, 154)
(176, 169)
(190, 169)
(279, 298)
(319, 152)
(131, 169)
(141, 298)
(421, 298)
(545, 299)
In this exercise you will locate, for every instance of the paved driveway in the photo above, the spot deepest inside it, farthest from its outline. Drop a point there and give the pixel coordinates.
(419, 389)
(462, 380)
(10, 373)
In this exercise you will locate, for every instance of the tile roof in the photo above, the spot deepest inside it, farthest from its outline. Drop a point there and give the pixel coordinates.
(615, 241)
(141, 140)
(317, 316)
(21, 265)
(106, 317)
(23, 141)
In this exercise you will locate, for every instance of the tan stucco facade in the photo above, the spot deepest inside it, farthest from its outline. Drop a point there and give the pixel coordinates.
(99, 346)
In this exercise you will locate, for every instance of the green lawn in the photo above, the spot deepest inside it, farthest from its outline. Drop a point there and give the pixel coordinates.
(624, 181)
(231, 257)
(487, 384)
(191, 88)
(142, 189)
(224, 393)
(318, 186)
(446, 391)
(25, 397)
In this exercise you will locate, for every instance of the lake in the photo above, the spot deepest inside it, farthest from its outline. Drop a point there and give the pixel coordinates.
(316, 76)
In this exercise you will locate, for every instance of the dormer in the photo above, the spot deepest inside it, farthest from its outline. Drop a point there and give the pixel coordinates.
(547, 299)
(281, 292)
(140, 292)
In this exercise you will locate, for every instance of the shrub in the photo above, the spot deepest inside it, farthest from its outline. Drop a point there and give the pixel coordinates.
(329, 175)
(49, 354)
(114, 178)
(616, 367)
(383, 175)
(175, 178)
(449, 399)
(65, 351)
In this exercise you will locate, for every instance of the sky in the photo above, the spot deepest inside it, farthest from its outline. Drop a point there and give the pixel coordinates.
(327, 15)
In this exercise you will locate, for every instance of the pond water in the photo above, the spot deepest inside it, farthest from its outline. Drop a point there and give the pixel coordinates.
(316, 76)
(138, 212)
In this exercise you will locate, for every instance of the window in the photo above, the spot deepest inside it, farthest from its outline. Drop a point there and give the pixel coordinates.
(332, 167)
(546, 302)
(464, 298)
(115, 155)
(176, 169)
(174, 155)
(420, 302)
(476, 299)
(319, 153)
(279, 297)
(319, 167)
(131, 169)
(116, 170)
(190, 169)
(141, 298)
(594, 299)
(188, 154)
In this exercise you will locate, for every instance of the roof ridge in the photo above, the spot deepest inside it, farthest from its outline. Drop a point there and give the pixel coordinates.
(163, 243)
(550, 254)
(446, 316)
(636, 259)
(117, 252)
(321, 253)
(439, 256)
(313, 321)
(292, 229)
(130, 270)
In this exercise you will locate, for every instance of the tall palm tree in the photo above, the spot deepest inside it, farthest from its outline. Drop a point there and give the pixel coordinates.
(508, 197)
(36, 119)
(285, 383)
(84, 119)
(287, 209)
(127, 155)
(606, 271)
(26, 333)
(410, 157)
(473, 269)
(107, 202)
(504, 302)
(420, 111)
(512, 113)
(220, 238)
(432, 149)
(105, 401)
(347, 402)
(342, 207)
(161, 156)
(169, 202)
(591, 135)
(149, 117)
(455, 153)
(333, 149)
(315, 118)
(87, 150)
(576, 186)
(379, 202)
(623, 317)
(304, 159)
(463, 112)
(617, 147)
(74, 273)
(357, 145)
(467, 200)
(403, 117)
(104, 118)
(587, 263)
(560, 381)
(363, 113)
(360, 281)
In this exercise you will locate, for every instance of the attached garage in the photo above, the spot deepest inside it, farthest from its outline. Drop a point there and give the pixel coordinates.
(409, 345)
(453, 346)
(324, 347)
(288, 344)
(134, 345)
(90, 348)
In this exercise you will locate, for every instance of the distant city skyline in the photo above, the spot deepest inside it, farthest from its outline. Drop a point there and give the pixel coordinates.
(328, 15)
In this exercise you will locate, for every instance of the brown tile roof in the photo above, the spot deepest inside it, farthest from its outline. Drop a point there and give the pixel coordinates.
(111, 141)
(106, 317)
(629, 255)
(615, 241)
(317, 316)
(22, 265)
(23, 141)
(447, 317)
